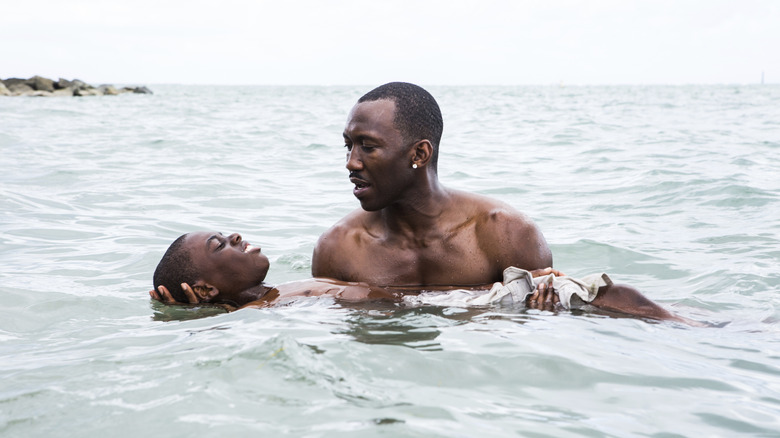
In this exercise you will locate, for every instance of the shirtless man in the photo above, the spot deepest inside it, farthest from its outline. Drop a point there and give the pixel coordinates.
(411, 230)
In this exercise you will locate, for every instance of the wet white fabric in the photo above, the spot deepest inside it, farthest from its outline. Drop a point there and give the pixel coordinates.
(518, 284)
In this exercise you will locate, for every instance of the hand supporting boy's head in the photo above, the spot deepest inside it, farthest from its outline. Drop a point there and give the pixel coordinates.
(214, 266)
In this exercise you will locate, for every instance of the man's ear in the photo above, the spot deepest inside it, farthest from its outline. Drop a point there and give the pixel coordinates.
(205, 291)
(423, 152)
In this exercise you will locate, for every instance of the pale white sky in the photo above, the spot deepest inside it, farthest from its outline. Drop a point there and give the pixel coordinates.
(430, 42)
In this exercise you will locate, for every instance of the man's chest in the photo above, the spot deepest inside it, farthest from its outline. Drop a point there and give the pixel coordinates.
(437, 262)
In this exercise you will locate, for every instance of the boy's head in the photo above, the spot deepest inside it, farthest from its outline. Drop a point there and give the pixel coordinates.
(212, 264)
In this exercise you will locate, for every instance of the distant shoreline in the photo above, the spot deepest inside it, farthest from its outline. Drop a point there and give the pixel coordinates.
(44, 87)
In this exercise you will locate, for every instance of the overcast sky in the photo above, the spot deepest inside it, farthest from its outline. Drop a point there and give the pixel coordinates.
(436, 42)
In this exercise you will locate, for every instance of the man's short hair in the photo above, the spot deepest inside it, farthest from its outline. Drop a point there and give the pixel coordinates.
(417, 115)
(175, 268)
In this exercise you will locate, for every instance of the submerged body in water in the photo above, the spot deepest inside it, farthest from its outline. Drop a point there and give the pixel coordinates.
(209, 267)
(670, 189)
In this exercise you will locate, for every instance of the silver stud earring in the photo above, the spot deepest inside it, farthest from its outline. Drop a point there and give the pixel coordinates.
(414, 166)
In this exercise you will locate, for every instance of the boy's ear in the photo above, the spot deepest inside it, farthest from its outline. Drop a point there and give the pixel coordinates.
(205, 291)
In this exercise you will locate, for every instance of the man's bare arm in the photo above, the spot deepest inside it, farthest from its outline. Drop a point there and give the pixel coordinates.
(326, 255)
(515, 240)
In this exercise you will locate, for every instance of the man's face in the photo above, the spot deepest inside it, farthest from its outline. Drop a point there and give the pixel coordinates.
(228, 263)
(378, 161)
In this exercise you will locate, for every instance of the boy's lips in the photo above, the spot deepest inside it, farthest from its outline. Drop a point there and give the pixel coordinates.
(249, 248)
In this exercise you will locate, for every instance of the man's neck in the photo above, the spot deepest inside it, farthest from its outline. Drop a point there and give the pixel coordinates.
(419, 211)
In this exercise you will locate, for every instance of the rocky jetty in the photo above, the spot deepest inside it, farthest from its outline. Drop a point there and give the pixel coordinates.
(40, 86)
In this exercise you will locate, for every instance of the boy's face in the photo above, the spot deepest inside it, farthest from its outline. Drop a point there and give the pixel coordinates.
(228, 263)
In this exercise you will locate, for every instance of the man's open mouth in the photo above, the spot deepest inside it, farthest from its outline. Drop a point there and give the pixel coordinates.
(359, 183)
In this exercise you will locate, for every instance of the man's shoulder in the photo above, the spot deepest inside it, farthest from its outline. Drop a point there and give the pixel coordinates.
(508, 235)
(348, 224)
(334, 251)
(490, 211)
(344, 234)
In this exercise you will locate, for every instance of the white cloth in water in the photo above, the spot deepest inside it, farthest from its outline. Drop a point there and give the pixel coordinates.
(517, 286)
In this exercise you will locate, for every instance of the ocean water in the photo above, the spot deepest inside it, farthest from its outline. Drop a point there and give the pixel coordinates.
(673, 189)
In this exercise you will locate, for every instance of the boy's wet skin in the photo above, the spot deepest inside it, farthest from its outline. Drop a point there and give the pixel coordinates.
(229, 271)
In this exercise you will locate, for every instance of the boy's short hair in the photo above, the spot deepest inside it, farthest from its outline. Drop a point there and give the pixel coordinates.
(175, 268)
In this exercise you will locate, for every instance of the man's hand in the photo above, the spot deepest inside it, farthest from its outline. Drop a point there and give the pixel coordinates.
(546, 271)
(544, 298)
(163, 295)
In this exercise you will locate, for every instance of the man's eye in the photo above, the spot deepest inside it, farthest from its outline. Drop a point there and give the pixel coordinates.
(348, 146)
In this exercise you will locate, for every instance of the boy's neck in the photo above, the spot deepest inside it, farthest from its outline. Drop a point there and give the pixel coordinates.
(248, 295)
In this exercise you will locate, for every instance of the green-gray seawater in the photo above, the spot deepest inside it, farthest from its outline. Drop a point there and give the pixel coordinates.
(674, 190)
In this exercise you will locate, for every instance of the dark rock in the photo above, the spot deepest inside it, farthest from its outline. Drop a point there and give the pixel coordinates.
(13, 81)
(87, 91)
(63, 92)
(41, 84)
(138, 90)
(19, 88)
(62, 83)
(108, 90)
(77, 84)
